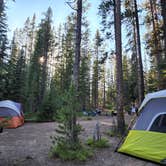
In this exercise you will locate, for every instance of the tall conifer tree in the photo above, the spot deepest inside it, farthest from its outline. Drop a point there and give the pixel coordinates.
(37, 79)
(3, 48)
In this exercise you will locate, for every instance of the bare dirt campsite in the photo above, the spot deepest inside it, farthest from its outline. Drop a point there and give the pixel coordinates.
(29, 145)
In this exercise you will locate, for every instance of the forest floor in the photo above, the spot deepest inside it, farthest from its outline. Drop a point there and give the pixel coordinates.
(29, 146)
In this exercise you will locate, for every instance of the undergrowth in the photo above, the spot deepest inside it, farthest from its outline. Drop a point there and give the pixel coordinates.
(65, 152)
(101, 143)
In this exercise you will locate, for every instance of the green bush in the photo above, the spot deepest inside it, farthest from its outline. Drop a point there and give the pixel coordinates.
(40, 116)
(66, 152)
(44, 116)
(30, 116)
(102, 143)
(108, 106)
(66, 144)
(46, 110)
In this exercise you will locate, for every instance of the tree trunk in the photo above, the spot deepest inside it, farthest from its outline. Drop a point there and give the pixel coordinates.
(44, 77)
(163, 13)
(1, 6)
(104, 92)
(44, 67)
(119, 72)
(157, 44)
(97, 79)
(134, 56)
(77, 63)
(139, 57)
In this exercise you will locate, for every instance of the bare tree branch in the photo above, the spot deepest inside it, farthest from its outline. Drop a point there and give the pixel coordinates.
(69, 3)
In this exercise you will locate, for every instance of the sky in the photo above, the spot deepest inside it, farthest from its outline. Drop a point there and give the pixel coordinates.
(19, 10)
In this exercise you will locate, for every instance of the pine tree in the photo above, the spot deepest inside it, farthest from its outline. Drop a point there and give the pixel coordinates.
(130, 48)
(84, 82)
(154, 44)
(139, 56)
(103, 84)
(68, 51)
(3, 48)
(95, 76)
(12, 69)
(28, 36)
(31, 35)
(85, 63)
(111, 15)
(76, 67)
(163, 13)
(111, 92)
(37, 79)
(119, 72)
(157, 44)
(20, 76)
(125, 64)
(69, 129)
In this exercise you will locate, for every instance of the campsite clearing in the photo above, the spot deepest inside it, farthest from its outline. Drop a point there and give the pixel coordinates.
(29, 145)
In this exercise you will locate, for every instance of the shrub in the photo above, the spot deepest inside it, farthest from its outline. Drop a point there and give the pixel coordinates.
(44, 116)
(66, 144)
(66, 152)
(108, 106)
(30, 116)
(46, 110)
(102, 143)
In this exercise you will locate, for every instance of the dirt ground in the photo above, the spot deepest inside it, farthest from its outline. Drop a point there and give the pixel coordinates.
(29, 146)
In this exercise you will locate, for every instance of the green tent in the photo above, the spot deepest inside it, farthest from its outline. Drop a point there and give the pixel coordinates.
(147, 139)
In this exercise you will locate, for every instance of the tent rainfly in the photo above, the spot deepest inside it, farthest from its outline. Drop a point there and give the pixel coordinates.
(147, 139)
(11, 114)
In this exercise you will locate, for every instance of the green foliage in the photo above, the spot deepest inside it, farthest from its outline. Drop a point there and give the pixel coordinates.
(65, 152)
(3, 49)
(113, 133)
(151, 81)
(84, 82)
(16, 74)
(101, 143)
(30, 116)
(46, 114)
(46, 110)
(106, 11)
(154, 45)
(130, 80)
(111, 96)
(70, 103)
(37, 75)
(67, 132)
(109, 106)
(52, 103)
(65, 54)
(96, 70)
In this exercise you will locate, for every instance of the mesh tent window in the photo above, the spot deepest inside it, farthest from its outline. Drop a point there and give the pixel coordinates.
(159, 124)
